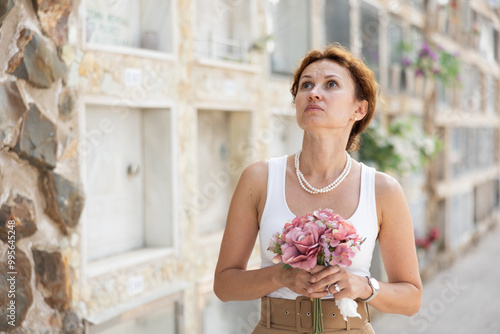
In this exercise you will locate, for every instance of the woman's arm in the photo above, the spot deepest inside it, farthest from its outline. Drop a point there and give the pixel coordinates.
(403, 293)
(232, 280)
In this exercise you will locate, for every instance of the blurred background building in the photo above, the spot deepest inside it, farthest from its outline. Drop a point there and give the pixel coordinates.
(125, 124)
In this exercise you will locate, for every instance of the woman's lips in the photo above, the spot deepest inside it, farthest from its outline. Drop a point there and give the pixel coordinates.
(313, 107)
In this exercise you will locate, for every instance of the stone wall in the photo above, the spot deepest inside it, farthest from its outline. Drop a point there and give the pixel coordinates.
(41, 198)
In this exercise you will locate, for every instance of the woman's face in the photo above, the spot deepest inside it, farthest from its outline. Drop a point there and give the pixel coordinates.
(325, 97)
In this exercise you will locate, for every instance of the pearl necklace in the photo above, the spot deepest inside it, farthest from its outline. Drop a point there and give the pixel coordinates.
(310, 189)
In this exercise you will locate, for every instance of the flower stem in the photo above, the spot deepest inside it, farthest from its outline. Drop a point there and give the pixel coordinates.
(317, 316)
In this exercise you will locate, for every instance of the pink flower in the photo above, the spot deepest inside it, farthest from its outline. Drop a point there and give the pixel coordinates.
(322, 237)
(275, 244)
(299, 222)
(342, 254)
(327, 216)
(301, 246)
(344, 231)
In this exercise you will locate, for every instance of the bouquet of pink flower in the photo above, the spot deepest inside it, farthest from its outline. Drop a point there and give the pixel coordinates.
(322, 238)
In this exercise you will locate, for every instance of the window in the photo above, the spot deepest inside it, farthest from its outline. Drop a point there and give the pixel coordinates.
(160, 316)
(288, 138)
(418, 4)
(484, 200)
(338, 22)
(491, 94)
(396, 56)
(369, 31)
(471, 95)
(222, 30)
(486, 42)
(458, 152)
(461, 223)
(442, 98)
(132, 23)
(484, 150)
(290, 27)
(128, 180)
(223, 151)
(414, 42)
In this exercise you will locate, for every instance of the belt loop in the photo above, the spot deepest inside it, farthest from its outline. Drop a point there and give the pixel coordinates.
(348, 324)
(268, 311)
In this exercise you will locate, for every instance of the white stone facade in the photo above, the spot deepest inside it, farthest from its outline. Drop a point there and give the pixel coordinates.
(171, 100)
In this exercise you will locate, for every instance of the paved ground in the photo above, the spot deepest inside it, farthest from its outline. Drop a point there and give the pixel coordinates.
(464, 298)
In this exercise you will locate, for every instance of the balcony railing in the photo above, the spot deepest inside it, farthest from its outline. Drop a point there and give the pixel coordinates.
(215, 47)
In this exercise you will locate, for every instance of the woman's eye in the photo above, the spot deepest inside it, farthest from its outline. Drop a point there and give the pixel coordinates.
(306, 85)
(331, 84)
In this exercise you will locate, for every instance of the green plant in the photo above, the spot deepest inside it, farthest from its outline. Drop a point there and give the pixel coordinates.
(450, 69)
(260, 44)
(435, 64)
(400, 148)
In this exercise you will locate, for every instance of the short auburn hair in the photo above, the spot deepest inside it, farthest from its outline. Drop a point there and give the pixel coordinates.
(365, 85)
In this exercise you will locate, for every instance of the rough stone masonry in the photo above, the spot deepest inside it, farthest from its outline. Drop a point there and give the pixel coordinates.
(38, 192)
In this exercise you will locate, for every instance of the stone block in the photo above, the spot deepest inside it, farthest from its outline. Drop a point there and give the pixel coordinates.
(23, 293)
(67, 103)
(25, 36)
(64, 200)
(22, 211)
(71, 323)
(36, 61)
(52, 273)
(53, 16)
(5, 7)
(37, 140)
(12, 108)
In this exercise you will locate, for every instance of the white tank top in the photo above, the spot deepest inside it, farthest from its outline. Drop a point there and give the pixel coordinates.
(276, 212)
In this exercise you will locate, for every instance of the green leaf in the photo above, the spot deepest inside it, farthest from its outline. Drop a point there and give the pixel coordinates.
(287, 266)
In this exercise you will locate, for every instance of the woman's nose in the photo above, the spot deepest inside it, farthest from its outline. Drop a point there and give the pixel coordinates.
(315, 94)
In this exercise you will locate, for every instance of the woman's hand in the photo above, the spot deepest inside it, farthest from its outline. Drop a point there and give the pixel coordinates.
(350, 285)
(300, 281)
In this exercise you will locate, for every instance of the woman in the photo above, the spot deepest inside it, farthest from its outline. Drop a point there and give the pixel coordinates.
(335, 96)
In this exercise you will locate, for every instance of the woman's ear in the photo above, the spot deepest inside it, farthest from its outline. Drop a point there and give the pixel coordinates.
(361, 110)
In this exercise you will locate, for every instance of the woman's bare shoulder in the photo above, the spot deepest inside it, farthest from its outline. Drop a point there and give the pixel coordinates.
(251, 190)
(389, 197)
(386, 185)
(253, 179)
(256, 170)
(255, 173)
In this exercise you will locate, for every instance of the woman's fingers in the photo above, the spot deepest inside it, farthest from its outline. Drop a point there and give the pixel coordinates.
(323, 284)
(321, 272)
(314, 283)
(329, 276)
(298, 281)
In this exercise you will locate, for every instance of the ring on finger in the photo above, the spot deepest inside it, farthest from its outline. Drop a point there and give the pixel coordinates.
(328, 288)
(336, 287)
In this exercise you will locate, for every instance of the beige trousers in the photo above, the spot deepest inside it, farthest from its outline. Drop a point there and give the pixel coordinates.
(280, 316)
(261, 329)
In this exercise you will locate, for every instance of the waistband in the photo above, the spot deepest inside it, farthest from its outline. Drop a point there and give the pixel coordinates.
(296, 315)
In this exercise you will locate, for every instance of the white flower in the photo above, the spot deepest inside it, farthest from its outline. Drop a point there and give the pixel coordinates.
(348, 307)
(429, 146)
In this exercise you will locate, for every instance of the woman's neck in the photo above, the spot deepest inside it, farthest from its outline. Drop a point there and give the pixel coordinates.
(322, 157)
